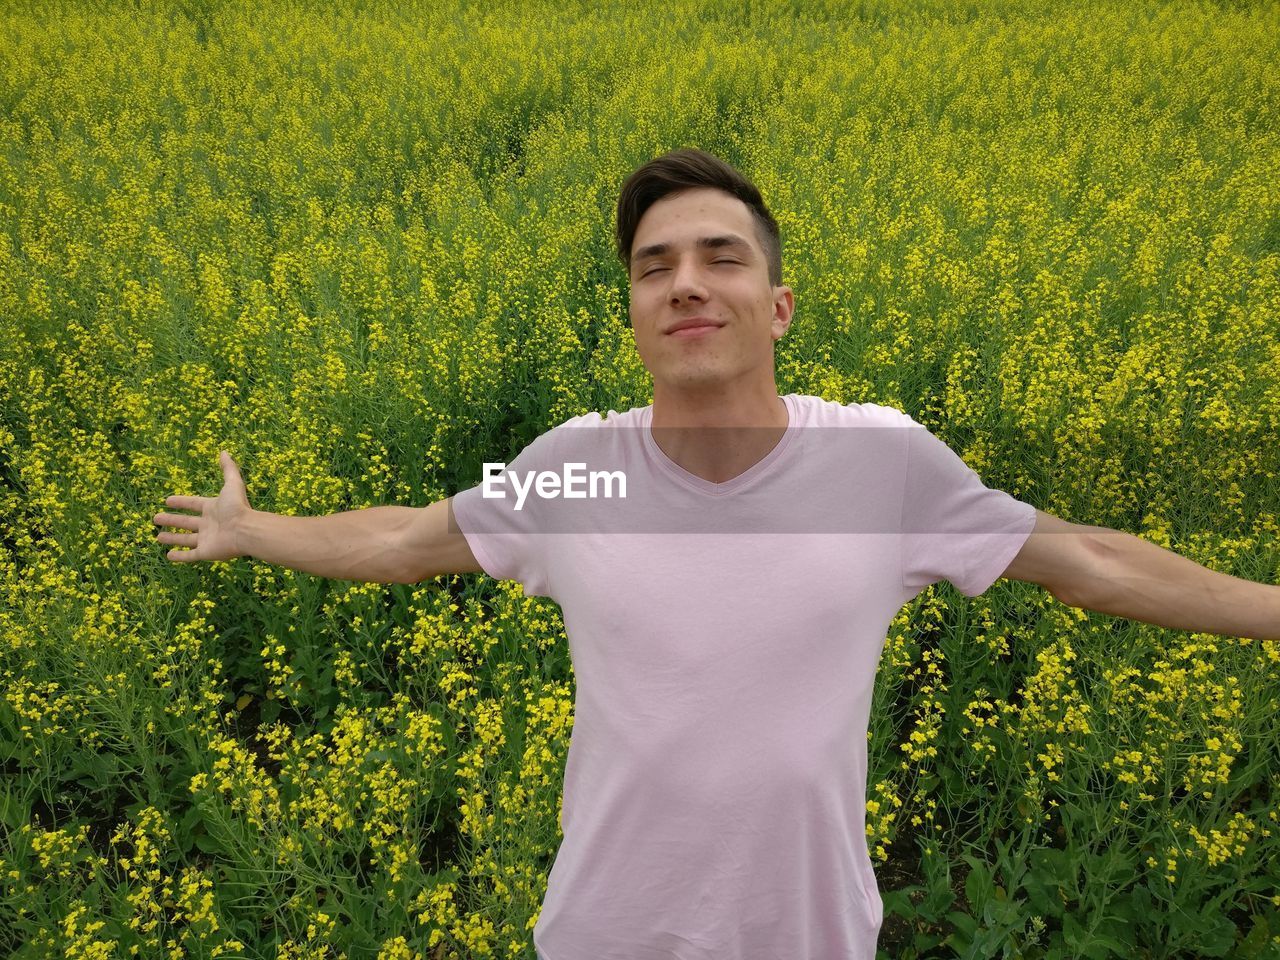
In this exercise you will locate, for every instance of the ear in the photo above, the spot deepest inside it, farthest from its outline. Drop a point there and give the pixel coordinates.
(784, 305)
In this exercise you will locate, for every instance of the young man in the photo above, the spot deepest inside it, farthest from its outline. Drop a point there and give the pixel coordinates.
(725, 626)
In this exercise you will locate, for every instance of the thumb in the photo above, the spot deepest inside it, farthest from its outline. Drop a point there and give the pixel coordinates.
(232, 482)
(229, 468)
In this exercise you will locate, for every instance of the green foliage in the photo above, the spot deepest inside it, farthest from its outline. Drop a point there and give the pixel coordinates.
(366, 248)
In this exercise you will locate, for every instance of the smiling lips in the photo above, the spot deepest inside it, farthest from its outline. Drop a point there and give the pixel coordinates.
(693, 327)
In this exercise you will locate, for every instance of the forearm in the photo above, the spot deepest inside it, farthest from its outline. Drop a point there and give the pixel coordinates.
(355, 545)
(1139, 580)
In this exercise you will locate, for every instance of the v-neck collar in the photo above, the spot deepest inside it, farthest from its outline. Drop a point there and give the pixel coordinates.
(701, 484)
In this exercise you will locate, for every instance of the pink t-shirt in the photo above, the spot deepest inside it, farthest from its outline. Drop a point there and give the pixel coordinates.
(725, 639)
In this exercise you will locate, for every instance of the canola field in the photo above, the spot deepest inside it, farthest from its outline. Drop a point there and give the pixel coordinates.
(366, 247)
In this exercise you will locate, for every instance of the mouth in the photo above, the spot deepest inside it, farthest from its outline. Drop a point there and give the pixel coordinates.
(694, 327)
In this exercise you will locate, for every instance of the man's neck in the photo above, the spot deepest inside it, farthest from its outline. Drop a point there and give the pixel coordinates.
(718, 434)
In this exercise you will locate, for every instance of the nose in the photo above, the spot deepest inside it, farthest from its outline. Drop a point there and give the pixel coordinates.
(687, 284)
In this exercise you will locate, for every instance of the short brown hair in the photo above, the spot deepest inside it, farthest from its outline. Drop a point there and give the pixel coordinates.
(685, 169)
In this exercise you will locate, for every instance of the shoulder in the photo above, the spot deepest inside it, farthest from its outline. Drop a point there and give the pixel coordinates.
(587, 432)
(822, 412)
(609, 420)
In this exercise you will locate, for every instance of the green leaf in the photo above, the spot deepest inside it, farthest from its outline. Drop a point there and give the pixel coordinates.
(1143, 904)
(1053, 864)
(13, 812)
(1042, 896)
(1111, 948)
(1094, 950)
(1125, 907)
(208, 844)
(1072, 933)
(1257, 940)
(192, 820)
(977, 886)
(1012, 866)
(1002, 913)
(269, 712)
(966, 924)
(960, 940)
(936, 902)
(1218, 934)
(1118, 861)
(1117, 932)
(899, 903)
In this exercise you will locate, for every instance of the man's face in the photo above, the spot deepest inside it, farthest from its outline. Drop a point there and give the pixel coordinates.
(727, 283)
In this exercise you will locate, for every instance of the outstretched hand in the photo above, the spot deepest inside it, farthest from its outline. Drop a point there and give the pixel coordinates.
(215, 522)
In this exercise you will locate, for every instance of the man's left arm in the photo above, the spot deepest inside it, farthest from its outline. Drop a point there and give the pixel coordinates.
(1113, 572)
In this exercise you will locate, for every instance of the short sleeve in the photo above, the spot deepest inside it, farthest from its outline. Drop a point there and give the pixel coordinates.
(505, 534)
(954, 527)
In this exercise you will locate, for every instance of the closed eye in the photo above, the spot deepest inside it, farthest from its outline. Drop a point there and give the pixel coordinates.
(656, 269)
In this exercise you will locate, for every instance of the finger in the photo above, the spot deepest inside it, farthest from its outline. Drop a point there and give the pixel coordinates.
(181, 539)
(186, 503)
(177, 520)
(182, 556)
(231, 472)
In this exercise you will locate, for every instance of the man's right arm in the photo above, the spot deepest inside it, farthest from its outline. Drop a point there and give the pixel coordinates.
(390, 544)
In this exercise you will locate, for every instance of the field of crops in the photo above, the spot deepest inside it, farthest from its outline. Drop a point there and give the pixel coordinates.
(366, 250)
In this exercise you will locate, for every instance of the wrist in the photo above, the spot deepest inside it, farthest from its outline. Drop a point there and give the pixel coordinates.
(241, 532)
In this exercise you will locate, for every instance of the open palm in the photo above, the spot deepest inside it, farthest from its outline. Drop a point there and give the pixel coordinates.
(215, 520)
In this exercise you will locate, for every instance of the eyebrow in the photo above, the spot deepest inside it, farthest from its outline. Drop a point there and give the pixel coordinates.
(658, 249)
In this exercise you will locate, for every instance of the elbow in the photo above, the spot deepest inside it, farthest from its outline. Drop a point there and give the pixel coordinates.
(1085, 579)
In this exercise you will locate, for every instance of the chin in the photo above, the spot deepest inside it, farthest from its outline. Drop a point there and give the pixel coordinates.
(697, 378)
